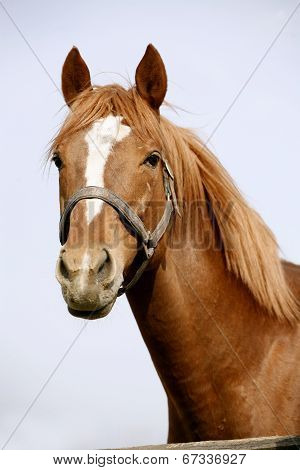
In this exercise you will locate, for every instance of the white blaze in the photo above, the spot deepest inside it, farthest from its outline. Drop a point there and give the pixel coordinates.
(83, 280)
(100, 139)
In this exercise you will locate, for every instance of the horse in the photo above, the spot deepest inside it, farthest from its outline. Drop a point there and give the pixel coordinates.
(148, 210)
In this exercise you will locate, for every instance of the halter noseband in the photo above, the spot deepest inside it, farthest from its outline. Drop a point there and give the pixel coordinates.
(128, 217)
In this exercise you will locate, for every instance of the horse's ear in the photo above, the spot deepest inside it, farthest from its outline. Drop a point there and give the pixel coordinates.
(151, 78)
(75, 76)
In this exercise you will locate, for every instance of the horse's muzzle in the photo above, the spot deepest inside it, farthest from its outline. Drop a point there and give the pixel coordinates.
(89, 281)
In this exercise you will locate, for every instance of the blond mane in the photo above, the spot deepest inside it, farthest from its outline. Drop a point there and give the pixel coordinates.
(249, 247)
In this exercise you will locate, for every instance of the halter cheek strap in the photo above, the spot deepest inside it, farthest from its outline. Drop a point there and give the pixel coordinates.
(128, 217)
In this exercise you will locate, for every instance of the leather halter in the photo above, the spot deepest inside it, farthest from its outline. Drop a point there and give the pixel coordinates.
(128, 217)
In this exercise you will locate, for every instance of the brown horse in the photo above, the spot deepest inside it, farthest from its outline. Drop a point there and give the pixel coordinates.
(217, 308)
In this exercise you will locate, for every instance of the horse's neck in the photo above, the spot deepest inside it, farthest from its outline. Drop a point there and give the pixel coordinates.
(187, 296)
(194, 315)
(211, 342)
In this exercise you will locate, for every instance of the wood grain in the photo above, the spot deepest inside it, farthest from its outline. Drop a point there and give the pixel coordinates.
(274, 442)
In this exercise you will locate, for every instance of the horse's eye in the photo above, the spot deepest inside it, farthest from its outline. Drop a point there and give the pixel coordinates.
(57, 160)
(152, 160)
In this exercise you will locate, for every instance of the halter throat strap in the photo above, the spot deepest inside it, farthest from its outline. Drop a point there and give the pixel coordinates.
(128, 217)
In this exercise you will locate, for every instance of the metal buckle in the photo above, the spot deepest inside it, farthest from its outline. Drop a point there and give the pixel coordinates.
(149, 250)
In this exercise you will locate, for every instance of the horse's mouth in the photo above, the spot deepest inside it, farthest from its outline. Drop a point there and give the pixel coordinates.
(92, 314)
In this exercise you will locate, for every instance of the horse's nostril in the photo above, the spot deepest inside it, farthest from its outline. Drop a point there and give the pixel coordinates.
(85, 270)
(63, 269)
(104, 258)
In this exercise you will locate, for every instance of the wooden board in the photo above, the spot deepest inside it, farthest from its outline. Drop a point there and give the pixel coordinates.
(274, 442)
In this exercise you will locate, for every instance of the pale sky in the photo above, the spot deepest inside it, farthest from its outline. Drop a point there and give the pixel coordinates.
(106, 393)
